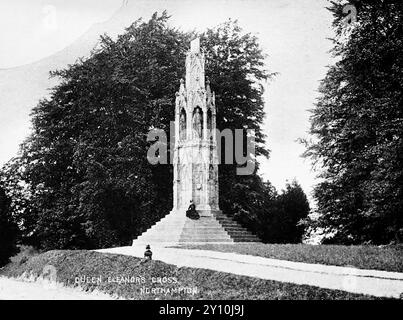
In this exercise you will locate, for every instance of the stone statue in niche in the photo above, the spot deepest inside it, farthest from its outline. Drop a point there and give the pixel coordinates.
(197, 123)
(182, 126)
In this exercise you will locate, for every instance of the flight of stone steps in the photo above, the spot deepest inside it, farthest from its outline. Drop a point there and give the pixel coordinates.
(235, 230)
(176, 228)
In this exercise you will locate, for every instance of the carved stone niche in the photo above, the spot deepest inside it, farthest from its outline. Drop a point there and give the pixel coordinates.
(182, 125)
(197, 123)
(195, 45)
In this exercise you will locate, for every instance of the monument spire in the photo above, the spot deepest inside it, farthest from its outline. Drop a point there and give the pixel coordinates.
(195, 164)
(195, 171)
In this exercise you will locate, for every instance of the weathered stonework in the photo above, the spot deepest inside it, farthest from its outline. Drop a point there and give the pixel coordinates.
(195, 164)
(195, 155)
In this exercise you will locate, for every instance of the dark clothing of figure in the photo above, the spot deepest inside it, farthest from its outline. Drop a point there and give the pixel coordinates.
(191, 212)
(148, 254)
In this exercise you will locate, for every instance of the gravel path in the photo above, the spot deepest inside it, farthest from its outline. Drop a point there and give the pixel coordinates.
(370, 282)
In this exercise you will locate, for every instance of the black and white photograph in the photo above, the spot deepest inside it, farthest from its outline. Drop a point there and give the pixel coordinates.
(216, 150)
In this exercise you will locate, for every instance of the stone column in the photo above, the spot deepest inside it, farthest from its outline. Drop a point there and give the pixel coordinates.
(213, 127)
(189, 123)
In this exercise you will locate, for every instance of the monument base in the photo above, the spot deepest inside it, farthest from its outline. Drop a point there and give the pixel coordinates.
(212, 227)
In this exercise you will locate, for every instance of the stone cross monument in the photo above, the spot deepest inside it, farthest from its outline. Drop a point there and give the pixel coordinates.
(195, 164)
(195, 154)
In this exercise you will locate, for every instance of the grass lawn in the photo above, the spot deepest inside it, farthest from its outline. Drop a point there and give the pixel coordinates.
(125, 276)
(389, 258)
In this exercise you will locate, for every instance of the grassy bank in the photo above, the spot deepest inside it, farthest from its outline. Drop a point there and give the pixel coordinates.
(123, 276)
(388, 258)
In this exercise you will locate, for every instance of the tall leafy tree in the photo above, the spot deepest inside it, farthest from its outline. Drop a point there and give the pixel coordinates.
(282, 218)
(293, 208)
(85, 165)
(358, 128)
(236, 66)
(8, 230)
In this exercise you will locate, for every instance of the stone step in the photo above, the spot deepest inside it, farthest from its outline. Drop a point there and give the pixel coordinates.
(205, 241)
(238, 231)
(247, 240)
(244, 236)
(229, 225)
(241, 233)
(235, 228)
(215, 228)
(203, 227)
(226, 220)
(205, 234)
(232, 226)
(192, 224)
(179, 228)
(201, 238)
(195, 233)
(206, 231)
(190, 231)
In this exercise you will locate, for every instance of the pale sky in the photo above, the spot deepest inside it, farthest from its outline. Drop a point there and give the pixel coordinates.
(293, 33)
(33, 29)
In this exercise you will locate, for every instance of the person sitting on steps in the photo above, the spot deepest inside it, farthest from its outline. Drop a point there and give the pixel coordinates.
(148, 253)
(191, 211)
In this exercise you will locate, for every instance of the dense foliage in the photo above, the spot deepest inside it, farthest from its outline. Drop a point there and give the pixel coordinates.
(88, 183)
(358, 128)
(280, 219)
(8, 230)
(82, 179)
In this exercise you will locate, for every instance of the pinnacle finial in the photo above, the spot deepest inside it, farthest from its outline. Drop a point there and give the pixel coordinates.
(182, 86)
(195, 45)
(208, 86)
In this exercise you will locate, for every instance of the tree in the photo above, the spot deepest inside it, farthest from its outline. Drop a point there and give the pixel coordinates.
(294, 207)
(236, 67)
(83, 177)
(281, 220)
(357, 126)
(8, 230)
(84, 165)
